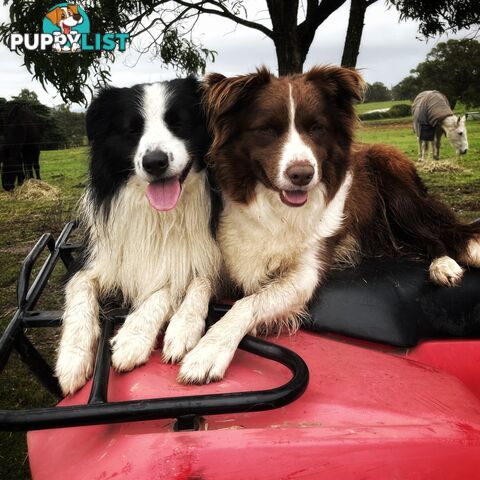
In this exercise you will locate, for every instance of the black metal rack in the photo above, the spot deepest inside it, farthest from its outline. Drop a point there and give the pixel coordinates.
(98, 410)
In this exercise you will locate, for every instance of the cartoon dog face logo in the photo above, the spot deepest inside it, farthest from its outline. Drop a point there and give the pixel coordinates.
(65, 17)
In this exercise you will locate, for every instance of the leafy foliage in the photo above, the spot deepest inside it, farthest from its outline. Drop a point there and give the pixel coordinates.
(377, 92)
(70, 74)
(439, 16)
(407, 89)
(452, 67)
(61, 128)
(26, 95)
(395, 111)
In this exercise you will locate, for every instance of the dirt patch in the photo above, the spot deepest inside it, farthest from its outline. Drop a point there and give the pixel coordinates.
(22, 248)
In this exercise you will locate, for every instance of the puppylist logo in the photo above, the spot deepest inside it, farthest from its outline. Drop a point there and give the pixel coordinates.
(66, 28)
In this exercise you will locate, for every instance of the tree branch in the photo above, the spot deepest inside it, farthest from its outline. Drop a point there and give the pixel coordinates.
(316, 15)
(225, 13)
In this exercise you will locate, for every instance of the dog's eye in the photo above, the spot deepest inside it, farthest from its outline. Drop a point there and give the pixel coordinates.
(316, 129)
(266, 131)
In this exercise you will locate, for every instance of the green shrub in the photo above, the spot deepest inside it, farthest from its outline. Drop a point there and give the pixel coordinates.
(400, 110)
(396, 111)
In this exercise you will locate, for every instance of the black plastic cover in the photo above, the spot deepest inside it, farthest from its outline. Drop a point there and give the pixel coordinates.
(393, 301)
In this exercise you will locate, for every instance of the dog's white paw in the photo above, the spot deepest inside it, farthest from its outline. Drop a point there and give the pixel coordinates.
(206, 363)
(445, 271)
(74, 367)
(183, 333)
(129, 350)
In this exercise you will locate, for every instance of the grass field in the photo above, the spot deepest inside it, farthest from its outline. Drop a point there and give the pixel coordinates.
(457, 181)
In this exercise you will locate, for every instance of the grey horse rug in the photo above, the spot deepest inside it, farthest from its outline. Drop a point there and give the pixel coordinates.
(429, 109)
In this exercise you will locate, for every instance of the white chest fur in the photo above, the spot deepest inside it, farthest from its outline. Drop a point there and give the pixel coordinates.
(140, 250)
(266, 238)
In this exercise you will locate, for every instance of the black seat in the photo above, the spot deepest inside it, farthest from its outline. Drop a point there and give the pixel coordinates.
(393, 301)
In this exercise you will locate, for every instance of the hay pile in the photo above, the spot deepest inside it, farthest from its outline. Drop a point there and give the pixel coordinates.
(35, 190)
(440, 166)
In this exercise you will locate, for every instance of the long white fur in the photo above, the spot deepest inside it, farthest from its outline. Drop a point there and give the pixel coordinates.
(164, 263)
(279, 267)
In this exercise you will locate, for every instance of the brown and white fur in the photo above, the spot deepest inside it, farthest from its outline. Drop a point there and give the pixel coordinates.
(298, 192)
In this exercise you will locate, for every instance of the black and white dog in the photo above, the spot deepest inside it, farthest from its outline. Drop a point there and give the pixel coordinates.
(146, 214)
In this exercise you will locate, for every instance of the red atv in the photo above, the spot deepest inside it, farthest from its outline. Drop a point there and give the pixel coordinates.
(384, 384)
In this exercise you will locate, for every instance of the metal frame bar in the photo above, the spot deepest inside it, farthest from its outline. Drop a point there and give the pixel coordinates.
(98, 410)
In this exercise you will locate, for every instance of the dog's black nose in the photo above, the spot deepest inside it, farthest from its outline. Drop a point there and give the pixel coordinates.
(155, 163)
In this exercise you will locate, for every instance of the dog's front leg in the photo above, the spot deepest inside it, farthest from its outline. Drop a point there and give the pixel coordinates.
(187, 325)
(80, 332)
(281, 300)
(135, 340)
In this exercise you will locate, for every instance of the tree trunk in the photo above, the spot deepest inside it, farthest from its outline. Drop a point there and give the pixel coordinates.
(354, 32)
(290, 56)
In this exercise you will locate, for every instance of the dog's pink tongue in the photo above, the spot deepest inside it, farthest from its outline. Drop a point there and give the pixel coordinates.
(294, 197)
(164, 194)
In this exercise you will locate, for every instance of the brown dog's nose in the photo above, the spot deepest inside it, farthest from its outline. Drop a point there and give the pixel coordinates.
(300, 173)
(77, 16)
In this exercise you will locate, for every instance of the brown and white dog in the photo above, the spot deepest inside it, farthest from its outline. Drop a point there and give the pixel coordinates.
(299, 194)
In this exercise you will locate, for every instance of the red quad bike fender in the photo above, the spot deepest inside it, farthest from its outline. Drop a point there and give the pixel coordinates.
(368, 412)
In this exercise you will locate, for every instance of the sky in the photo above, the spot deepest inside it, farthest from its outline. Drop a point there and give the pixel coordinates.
(389, 50)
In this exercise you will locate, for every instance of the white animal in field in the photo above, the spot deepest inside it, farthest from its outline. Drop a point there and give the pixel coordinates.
(432, 118)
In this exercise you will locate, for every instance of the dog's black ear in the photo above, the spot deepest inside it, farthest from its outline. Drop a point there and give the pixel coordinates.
(97, 113)
(222, 94)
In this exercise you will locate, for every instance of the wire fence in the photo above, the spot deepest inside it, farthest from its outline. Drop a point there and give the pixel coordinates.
(45, 142)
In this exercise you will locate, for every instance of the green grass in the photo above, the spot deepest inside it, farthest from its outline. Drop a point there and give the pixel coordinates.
(22, 222)
(367, 107)
(458, 183)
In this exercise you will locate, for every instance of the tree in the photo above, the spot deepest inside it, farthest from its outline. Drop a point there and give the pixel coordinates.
(26, 95)
(377, 92)
(439, 16)
(71, 124)
(452, 67)
(169, 24)
(407, 89)
(53, 135)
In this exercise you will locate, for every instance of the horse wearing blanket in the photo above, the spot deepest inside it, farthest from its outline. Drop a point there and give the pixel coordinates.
(432, 118)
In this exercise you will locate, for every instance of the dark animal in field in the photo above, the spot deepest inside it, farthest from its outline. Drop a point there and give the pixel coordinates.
(20, 152)
(432, 118)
